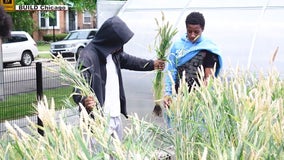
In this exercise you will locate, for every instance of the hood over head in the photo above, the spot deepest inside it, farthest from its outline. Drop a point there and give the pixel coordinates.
(112, 35)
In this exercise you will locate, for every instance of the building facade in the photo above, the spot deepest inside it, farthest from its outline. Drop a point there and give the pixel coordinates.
(62, 22)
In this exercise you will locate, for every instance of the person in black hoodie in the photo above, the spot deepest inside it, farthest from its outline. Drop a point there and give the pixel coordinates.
(104, 57)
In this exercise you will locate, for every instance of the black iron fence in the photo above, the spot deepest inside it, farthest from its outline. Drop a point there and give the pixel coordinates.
(20, 87)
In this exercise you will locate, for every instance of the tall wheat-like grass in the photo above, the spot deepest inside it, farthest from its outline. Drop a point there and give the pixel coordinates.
(74, 77)
(238, 115)
(88, 140)
(163, 41)
(62, 140)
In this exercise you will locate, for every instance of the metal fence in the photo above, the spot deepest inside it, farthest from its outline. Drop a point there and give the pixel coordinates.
(19, 88)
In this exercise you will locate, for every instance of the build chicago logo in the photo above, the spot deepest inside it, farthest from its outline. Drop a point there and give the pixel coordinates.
(9, 5)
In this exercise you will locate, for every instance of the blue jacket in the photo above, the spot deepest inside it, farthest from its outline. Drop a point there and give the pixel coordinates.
(182, 51)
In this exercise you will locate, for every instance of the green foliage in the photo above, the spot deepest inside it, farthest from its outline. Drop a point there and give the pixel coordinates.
(163, 41)
(165, 34)
(42, 44)
(58, 37)
(81, 5)
(22, 21)
(16, 110)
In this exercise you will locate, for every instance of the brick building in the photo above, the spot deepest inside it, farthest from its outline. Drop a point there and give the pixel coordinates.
(64, 21)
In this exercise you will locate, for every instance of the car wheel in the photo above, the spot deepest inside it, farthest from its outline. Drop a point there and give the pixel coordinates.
(78, 52)
(27, 58)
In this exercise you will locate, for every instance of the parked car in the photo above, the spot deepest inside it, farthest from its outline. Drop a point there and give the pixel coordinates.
(73, 43)
(19, 47)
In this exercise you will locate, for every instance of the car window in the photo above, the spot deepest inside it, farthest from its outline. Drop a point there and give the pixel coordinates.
(83, 35)
(72, 35)
(92, 35)
(15, 38)
(80, 35)
(4, 40)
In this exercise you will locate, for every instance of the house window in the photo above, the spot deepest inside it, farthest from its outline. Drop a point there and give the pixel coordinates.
(48, 20)
(87, 17)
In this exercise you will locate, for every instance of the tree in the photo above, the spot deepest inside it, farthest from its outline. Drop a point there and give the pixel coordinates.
(23, 21)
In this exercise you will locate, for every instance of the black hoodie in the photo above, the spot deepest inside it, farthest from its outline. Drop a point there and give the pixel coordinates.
(112, 35)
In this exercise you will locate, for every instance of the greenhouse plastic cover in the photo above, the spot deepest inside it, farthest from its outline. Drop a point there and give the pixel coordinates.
(247, 32)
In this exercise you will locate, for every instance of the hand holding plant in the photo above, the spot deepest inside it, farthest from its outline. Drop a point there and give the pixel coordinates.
(89, 103)
(74, 77)
(159, 64)
(163, 42)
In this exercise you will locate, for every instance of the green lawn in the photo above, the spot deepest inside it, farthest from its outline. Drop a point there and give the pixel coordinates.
(22, 105)
(44, 55)
(43, 47)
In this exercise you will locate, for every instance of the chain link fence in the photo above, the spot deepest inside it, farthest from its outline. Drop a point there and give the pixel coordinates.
(20, 88)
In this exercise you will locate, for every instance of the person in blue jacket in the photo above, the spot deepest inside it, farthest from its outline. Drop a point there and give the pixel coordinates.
(190, 52)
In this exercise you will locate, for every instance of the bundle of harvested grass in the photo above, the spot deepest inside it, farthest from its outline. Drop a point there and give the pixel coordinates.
(163, 42)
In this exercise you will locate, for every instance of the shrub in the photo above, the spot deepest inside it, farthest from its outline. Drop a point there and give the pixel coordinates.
(40, 43)
(58, 37)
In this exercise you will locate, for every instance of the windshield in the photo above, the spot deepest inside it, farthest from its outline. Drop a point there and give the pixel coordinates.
(77, 35)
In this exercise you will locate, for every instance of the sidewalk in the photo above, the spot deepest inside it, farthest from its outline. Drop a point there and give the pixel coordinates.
(43, 52)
